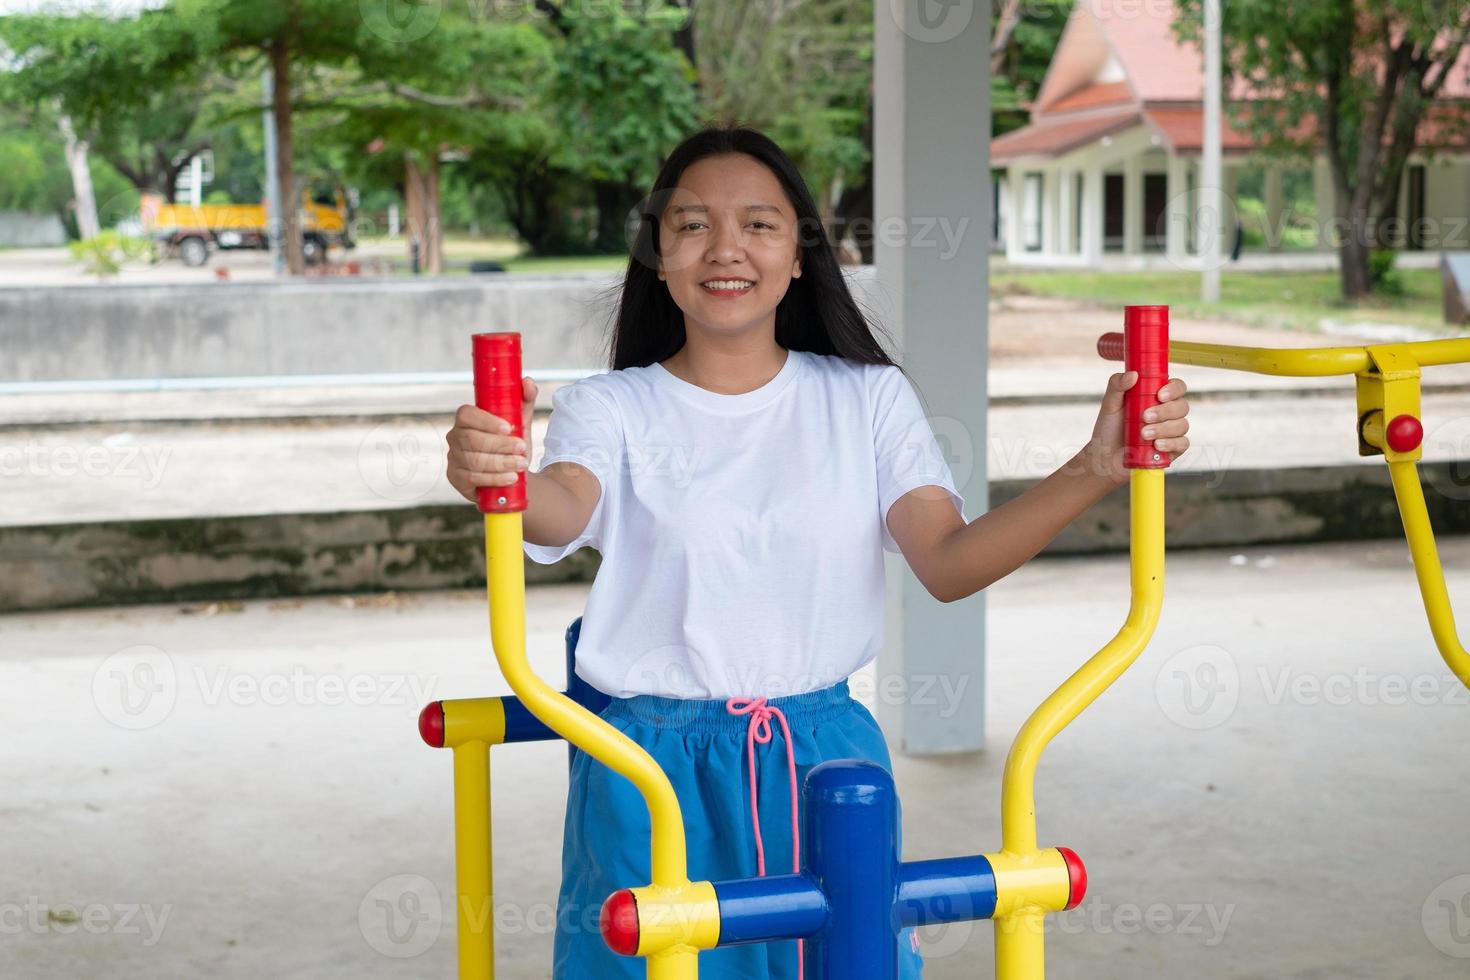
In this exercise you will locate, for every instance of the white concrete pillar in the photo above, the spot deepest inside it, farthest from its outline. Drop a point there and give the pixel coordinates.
(1016, 226)
(1067, 212)
(1092, 215)
(1049, 226)
(1176, 225)
(1275, 208)
(1133, 205)
(932, 110)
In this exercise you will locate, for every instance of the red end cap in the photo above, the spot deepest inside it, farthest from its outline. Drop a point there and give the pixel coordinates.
(431, 724)
(1077, 874)
(619, 923)
(1110, 346)
(1404, 434)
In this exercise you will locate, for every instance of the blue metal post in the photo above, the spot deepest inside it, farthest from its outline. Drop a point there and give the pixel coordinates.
(850, 845)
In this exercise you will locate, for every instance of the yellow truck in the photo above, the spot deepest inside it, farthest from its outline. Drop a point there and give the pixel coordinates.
(192, 232)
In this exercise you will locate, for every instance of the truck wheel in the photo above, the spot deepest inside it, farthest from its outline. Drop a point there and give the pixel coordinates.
(314, 249)
(193, 251)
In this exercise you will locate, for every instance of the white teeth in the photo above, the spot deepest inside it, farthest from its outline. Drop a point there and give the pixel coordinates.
(728, 284)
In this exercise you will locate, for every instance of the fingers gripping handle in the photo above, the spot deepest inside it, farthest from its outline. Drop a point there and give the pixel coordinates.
(498, 391)
(1143, 347)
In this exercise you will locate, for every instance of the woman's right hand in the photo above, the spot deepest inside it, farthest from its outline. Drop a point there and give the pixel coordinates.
(482, 453)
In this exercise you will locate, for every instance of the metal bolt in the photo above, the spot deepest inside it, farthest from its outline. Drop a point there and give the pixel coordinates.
(1157, 457)
(501, 500)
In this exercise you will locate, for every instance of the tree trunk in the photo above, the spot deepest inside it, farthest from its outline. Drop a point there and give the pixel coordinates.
(286, 172)
(435, 231)
(421, 212)
(81, 180)
(1352, 261)
(614, 201)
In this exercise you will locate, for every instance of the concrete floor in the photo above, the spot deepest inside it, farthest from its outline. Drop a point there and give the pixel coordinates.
(1276, 790)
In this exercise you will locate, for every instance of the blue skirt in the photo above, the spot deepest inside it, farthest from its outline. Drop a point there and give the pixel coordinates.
(702, 748)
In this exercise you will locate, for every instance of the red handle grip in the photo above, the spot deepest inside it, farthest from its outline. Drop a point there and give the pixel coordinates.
(1145, 350)
(498, 390)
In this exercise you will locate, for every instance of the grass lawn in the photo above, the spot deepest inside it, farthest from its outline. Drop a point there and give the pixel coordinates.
(1291, 300)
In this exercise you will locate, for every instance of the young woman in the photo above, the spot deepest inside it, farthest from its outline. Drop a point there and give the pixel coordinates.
(741, 469)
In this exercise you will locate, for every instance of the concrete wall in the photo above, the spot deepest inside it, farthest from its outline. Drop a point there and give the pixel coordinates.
(287, 328)
(19, 229)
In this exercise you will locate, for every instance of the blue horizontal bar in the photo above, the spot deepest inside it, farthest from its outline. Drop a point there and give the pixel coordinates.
(954, 889)
(758, 910)
(522, 726)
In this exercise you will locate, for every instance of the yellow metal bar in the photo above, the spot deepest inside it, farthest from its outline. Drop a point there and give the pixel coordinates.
(472, 860)
(1420, 534)
(1452, 350)
(1020, 947)
(1308, 362)
(1018, 796)
(506, 590)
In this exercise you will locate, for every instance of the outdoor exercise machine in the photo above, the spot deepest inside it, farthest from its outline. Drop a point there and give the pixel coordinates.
(854, 893)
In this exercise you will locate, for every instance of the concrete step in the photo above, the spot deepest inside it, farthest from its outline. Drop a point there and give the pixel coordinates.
(214, 509)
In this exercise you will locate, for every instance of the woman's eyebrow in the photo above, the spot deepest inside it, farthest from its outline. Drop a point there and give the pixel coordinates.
(687, 208)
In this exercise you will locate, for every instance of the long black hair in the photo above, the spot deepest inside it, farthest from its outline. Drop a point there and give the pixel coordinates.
(817, 314)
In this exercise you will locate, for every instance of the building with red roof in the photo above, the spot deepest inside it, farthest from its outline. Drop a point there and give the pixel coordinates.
(1106, 169)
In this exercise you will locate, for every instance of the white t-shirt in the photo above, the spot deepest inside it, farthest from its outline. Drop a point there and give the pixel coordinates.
(742, 536)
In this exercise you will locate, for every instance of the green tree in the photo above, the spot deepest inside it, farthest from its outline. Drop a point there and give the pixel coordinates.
(114, 87)
(622, 95)
(1353, 79)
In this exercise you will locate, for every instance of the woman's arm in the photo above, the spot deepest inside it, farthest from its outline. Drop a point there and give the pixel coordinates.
(955, 560)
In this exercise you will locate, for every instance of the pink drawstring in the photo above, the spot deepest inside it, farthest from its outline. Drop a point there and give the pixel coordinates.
(759, 730)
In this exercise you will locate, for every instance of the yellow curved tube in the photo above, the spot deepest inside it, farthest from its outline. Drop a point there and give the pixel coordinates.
(1020, 944)
(1018, 792)
(1309, 362)
(506, 590)
(1427, 569)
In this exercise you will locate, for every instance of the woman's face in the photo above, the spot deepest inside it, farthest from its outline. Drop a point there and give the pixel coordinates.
(728, 245)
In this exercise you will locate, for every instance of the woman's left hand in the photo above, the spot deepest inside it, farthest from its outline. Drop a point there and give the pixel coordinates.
(1166, 424)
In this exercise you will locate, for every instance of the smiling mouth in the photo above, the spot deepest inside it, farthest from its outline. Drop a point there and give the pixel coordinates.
(727, 287)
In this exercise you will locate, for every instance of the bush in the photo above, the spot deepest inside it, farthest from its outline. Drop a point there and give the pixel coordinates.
(1382, 276)
(105, 254)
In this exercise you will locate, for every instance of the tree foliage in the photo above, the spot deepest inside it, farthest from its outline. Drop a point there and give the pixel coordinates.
(1353, 79)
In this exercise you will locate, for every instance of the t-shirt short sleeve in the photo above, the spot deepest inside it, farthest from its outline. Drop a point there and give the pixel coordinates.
(907, 454)
(584, 428)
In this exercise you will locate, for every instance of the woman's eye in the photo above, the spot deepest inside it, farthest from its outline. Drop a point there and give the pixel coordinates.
(685, 226)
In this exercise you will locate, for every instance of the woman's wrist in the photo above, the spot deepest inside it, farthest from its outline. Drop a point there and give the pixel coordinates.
(1102, 464)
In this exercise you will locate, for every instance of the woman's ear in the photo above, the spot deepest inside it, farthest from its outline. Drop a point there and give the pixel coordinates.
(796, 271)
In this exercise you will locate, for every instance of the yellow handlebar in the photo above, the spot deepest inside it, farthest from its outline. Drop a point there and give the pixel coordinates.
(506, 588)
